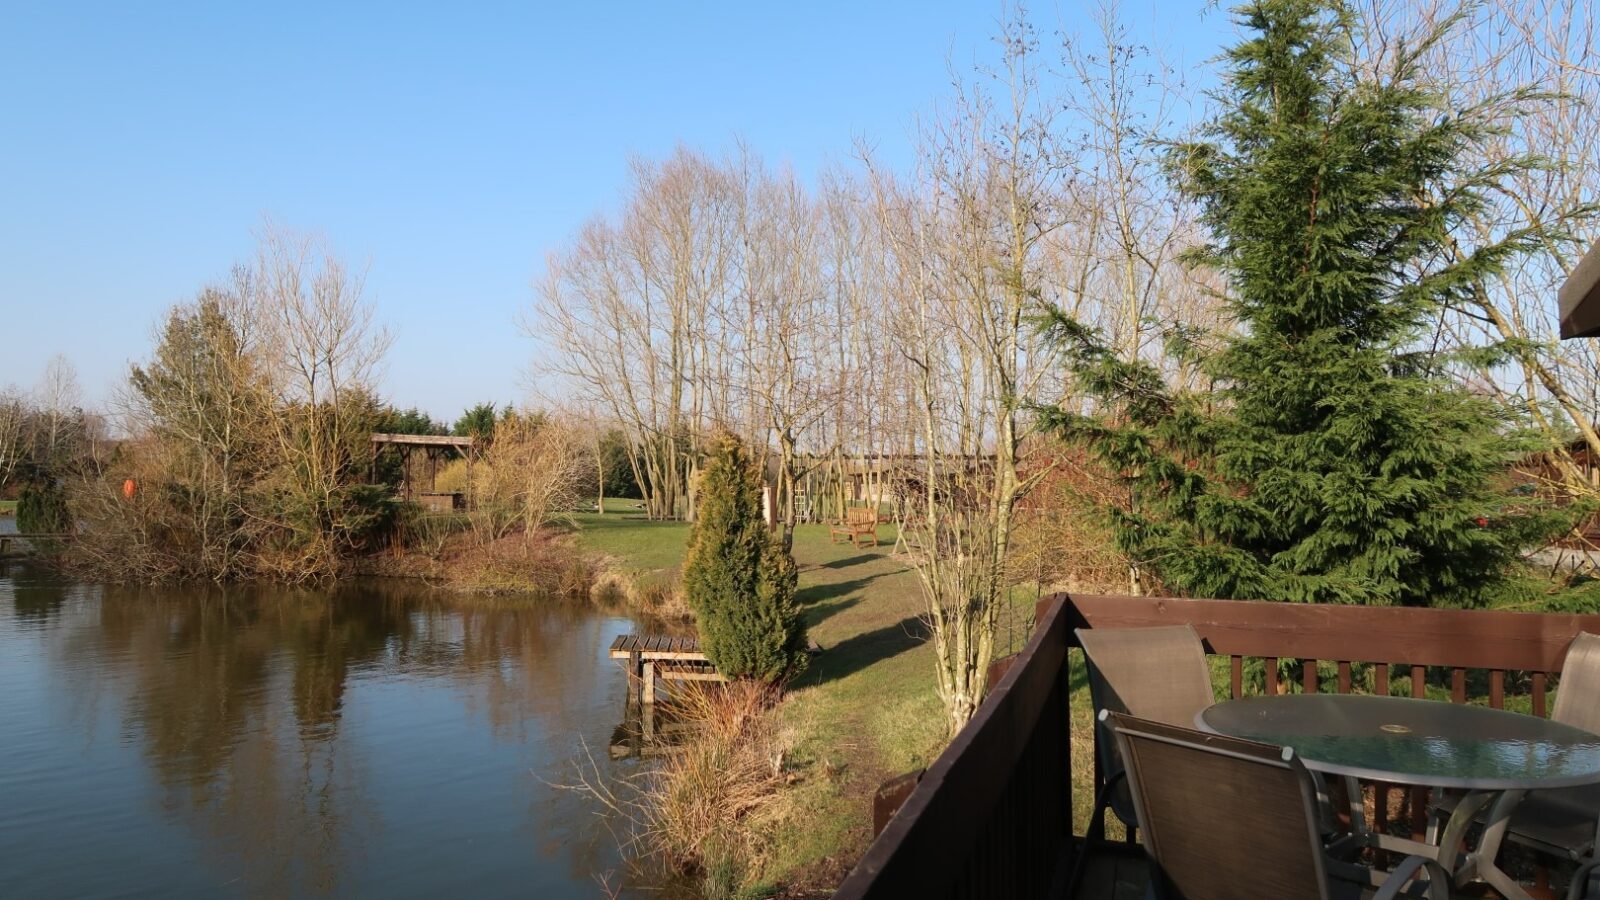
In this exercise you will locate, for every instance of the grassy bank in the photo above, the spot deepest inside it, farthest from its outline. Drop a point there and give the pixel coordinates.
(648, 553)
(865, 709)
(8, 507)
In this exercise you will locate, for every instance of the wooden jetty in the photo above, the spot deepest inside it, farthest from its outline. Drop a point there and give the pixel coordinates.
(29, 539)
(653, 658)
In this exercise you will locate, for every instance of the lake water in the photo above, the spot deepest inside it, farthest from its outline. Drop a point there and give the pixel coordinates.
(369, 741)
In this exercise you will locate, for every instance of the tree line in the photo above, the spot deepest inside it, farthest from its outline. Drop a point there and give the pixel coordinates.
(1293, 333)
(1301, 326)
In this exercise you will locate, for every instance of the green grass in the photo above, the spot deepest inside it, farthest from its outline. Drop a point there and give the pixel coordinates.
(8, 507)
(650, 552)
(864, 711)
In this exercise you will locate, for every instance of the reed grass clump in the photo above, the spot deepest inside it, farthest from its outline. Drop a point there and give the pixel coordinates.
(708, 809)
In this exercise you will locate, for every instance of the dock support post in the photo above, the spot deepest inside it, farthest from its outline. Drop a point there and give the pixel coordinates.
(635, 676)
(649, 686)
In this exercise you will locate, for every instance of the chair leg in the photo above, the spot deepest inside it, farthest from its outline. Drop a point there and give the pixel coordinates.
(1435, 817)
(1096, 833)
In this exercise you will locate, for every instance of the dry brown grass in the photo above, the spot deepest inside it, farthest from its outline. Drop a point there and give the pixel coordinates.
(544, 565)
(709, 808)
(662, 599)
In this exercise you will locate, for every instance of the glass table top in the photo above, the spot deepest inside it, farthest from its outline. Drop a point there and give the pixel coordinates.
(1419, 742)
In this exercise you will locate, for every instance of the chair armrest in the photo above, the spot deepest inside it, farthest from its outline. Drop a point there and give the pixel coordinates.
(1407, 871)
(1580, 882)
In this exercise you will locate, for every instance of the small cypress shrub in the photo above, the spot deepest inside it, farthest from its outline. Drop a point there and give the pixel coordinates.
(42, 509)
(738, 577)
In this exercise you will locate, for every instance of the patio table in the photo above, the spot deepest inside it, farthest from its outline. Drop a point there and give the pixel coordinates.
(1493, 755)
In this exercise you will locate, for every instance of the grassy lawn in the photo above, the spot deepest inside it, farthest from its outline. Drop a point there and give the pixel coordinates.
(649, 552)
(863, 712)
(8, 507)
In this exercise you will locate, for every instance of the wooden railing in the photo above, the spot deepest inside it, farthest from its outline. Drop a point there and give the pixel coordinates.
(992, 816)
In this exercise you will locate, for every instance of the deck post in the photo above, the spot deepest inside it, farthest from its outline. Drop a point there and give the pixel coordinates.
(649, 686)
(635, 674)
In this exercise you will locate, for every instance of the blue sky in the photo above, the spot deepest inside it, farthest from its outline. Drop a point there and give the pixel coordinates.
(444, 147)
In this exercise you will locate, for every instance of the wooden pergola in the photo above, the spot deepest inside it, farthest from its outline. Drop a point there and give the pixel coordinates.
(434, 445)
(1580, 298)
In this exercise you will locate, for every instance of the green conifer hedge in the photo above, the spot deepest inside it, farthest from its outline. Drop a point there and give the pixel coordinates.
(739, 579)
(42, 509)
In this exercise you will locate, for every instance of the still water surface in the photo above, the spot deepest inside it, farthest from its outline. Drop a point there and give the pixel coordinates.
(368, 741)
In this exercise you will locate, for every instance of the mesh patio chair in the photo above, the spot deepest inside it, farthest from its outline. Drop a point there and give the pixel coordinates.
(1158, 674)
(1222, 818)
(1565, 822)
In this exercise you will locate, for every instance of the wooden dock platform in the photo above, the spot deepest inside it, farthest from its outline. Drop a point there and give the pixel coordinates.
(653, 658)
(9, 542)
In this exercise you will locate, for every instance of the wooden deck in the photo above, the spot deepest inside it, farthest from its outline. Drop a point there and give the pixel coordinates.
(1116, 876)
(992, 816)
(656, 646)
(654, 658)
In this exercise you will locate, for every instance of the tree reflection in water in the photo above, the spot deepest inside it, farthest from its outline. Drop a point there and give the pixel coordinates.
(237, 699)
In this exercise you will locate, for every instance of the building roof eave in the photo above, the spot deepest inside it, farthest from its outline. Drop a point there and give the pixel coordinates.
(1580, 298)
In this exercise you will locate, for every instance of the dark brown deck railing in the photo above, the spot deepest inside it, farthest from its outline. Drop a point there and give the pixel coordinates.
(992, 817)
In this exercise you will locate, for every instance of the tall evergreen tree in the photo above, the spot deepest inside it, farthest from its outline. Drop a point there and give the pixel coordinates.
(477, 421)
(738, 577)
(1336, 460)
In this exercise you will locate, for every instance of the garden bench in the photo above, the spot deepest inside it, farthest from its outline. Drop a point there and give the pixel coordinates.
(860, 525)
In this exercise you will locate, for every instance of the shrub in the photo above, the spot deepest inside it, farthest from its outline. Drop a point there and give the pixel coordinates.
(738, 577)
(707, 808)
(42, 509)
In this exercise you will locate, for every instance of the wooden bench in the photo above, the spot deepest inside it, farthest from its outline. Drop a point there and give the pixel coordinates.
(860, 525)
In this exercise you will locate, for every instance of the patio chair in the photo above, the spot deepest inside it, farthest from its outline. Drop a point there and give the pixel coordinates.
(1223, 818)
(1565, 822)
(1158, 674)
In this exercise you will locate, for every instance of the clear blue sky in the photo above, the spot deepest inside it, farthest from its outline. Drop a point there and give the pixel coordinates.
(446, 147)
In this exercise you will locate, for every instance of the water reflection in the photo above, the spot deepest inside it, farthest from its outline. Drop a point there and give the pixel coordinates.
(647, 729)
(369, 741)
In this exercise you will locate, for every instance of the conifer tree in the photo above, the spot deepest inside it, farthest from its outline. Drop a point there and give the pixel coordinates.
(42, 508)
(739, 578)
(1336, 460)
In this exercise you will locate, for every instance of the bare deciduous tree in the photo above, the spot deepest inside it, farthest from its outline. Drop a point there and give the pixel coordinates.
(526, 476)
(322, 347)
(968, 240)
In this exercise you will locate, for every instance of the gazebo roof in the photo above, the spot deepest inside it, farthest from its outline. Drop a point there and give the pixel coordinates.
(424, 440)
